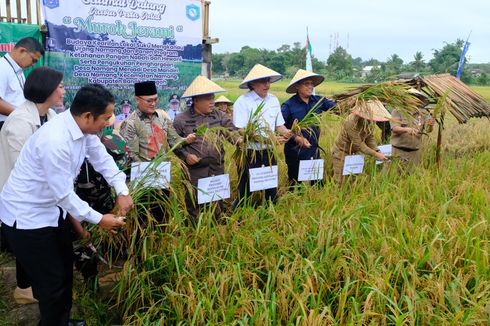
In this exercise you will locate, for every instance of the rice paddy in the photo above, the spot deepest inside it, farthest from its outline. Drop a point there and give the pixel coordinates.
(384, 249)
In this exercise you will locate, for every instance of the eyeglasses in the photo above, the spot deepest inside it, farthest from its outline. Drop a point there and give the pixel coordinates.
(149, 100)
(34, 59)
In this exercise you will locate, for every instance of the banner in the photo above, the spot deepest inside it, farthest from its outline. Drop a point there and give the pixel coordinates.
(461, 59)
(11, 33)
(117, 43)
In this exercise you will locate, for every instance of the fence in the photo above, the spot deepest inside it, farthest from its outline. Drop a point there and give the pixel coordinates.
(21, 11)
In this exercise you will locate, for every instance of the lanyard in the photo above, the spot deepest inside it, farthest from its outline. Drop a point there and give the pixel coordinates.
(21, 82)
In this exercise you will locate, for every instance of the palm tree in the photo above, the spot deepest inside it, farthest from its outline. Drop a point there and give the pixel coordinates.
(418, 63)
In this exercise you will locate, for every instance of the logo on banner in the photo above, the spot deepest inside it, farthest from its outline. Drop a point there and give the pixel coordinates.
(51, 4)
(193, 12)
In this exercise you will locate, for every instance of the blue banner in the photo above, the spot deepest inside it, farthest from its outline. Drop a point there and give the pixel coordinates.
(461, 59)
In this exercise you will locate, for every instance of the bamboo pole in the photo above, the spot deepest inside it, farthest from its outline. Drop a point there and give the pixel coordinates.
(29, 13)
(19, 12)
(9, 13)
(38, 12)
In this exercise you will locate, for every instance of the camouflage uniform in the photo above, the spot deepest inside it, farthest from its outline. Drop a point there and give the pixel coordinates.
(91, 187)
(147, 135)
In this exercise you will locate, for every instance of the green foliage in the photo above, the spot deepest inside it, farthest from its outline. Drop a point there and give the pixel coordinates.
(446, 59)
(339, 64)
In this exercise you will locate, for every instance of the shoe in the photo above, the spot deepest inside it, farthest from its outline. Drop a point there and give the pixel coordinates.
(76, 322)
(24, 296)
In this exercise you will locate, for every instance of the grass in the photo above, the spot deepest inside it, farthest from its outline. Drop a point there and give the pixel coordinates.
(383, 250)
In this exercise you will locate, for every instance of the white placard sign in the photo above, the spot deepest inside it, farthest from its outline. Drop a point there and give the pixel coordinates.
(152, 176)
(310, 170)
(263, 178)
(353, 164)
(213, 188)
(385, 149)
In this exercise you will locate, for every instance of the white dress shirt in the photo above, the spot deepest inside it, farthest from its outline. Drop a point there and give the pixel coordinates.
(11, 83)
(45, 171)
(19, 126)
(270, 116)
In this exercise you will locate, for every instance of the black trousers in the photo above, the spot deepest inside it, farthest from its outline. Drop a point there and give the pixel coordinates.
(47, 256)
(21, 276)
(255, 159)
(292, 162)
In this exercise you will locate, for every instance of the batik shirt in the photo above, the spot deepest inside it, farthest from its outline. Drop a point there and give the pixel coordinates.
(147, 135)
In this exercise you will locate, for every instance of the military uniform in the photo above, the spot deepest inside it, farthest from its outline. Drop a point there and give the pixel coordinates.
(146, 135)
(212, 158)
(356, 136)
(406, 146)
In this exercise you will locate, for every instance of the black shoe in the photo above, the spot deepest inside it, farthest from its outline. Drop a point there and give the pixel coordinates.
(76, 322)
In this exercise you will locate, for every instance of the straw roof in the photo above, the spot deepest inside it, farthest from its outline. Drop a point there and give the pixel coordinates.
(464, 103)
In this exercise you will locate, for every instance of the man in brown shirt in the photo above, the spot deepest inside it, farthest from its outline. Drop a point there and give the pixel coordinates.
(202, 158)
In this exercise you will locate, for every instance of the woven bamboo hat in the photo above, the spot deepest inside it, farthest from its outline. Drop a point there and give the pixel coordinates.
(259, 72)
(202, 86)
(372, 110)
(223, 99)
(300, 75)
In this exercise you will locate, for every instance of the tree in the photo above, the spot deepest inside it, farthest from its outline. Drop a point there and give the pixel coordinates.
(339, 64)
(418, 64)
(393, 65)
(483, 79)
(446, 59)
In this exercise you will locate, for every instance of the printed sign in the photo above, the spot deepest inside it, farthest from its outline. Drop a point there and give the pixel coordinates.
(263, 178)
(152, 176)
(213, 188)
(310, 170)
(353, 164)
(385, 149)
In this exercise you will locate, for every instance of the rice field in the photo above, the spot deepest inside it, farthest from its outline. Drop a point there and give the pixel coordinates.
(383, 250)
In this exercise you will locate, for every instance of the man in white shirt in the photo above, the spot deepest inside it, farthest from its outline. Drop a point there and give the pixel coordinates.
(25, 54)
(270, 118)
(39, 193)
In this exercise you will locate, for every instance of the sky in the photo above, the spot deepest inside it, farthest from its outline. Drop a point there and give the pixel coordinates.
(366, 28)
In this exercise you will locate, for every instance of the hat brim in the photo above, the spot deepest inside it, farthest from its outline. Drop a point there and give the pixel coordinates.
(372, 111)
(273, 79)
(317, 80)
(200, 94)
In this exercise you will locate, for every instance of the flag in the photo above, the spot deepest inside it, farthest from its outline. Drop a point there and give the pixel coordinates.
(461, 59)
(309, 65)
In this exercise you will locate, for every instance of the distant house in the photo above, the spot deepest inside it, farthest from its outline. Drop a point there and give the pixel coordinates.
(367, 70)
(476, 72)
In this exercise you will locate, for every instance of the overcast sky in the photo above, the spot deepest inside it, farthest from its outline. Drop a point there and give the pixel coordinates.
(366, 28)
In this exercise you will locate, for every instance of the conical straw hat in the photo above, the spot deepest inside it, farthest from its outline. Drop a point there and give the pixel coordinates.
(258, 72)
(222, 99)
(202, 86)
(300, 75)
(372, 110)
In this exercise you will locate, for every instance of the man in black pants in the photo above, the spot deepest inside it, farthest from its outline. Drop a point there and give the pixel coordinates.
(39, 193)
